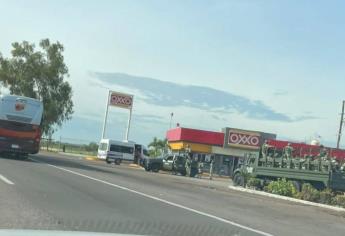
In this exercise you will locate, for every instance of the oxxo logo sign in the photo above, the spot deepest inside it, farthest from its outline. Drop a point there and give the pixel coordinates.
(244, 138)
(121, 100)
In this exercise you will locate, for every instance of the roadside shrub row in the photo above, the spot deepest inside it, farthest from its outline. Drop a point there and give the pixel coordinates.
(281, 187)
(308, 192)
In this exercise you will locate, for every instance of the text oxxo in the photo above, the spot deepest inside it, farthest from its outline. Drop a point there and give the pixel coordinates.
(244, 139)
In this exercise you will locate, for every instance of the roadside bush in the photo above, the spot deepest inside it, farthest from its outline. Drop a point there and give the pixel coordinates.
(326, 196)
(339, 200)
(309, 193)
(254, 183)
(281, 187)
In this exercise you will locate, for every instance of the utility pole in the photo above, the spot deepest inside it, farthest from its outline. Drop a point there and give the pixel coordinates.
(171, 117)
(341, 124)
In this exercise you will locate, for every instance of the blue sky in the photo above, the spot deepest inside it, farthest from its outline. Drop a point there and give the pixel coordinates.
(278, 64)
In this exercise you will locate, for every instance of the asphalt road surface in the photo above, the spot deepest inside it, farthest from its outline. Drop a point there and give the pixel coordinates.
(51, 191)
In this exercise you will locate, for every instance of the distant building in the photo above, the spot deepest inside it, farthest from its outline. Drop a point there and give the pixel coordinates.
(225, 147)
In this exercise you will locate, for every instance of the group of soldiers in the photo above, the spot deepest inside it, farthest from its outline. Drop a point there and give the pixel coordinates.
(323, 157)
(186, 164)
(288, 151)
(193, 166)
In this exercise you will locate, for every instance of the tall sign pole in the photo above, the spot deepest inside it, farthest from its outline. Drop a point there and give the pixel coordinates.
(128, 124)
(120, 100)
(106, 115)
(341, 124)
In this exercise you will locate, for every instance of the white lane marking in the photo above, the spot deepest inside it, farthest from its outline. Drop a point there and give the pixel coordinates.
(7, 181)
(160, 200)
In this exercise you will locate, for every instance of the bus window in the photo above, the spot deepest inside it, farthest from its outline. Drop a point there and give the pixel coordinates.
(121, 149)
(127, 150)
(115, 148)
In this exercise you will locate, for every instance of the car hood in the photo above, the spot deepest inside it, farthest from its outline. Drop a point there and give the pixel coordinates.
(15, 232)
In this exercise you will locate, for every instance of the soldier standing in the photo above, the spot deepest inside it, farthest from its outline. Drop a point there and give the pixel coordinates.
(288, 151)
(174, 165)
(200, 169)
(323, 153)
(265, 148)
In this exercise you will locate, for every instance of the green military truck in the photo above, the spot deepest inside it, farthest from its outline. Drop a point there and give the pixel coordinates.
(319, 171)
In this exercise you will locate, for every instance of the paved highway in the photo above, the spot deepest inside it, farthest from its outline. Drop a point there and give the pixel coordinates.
(51, 191)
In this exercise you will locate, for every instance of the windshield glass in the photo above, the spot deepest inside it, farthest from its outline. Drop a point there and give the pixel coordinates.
(191, 118)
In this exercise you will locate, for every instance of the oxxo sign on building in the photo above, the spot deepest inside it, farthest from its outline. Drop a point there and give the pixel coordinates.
(245, 139)
(121, 100)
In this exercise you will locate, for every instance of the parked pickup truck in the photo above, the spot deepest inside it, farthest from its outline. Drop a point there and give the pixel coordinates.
(175, 163)
(153, 164)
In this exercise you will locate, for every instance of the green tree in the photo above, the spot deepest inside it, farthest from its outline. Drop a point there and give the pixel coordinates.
(157, 146)
(40, 74)
(92, 147)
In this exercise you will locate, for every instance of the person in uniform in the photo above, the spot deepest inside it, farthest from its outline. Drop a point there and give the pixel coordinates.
(174, 165)
(288, 151)
(264, 148)
(323, 153)
(200, 169)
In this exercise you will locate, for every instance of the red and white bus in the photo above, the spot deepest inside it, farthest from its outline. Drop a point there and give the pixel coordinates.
(20, 120)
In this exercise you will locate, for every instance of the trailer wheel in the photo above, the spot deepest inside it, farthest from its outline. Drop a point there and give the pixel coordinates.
(238, 179)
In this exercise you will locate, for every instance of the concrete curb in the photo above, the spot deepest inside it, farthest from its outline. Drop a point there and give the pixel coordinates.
(215, 176)
(334, 208)
(136, 166)
(91, 158)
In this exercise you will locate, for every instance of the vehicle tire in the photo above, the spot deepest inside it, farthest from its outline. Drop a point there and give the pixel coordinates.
(155, 168)
(22, 156)
(117, 161)
(238, 179)
(107, 161)
(19, 156)
(144, 164)
(193, 172)
(297, 185)
(183, 173)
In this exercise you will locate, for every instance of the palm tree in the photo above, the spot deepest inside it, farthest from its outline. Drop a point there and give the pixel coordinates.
(157, 146)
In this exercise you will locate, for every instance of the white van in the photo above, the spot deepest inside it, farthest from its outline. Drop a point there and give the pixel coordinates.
(116, 151)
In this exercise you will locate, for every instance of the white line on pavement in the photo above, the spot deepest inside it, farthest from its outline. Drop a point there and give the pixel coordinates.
(7, 181)
(160, 200)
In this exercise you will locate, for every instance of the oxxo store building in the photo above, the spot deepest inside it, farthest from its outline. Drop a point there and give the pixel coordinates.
(225, 147)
